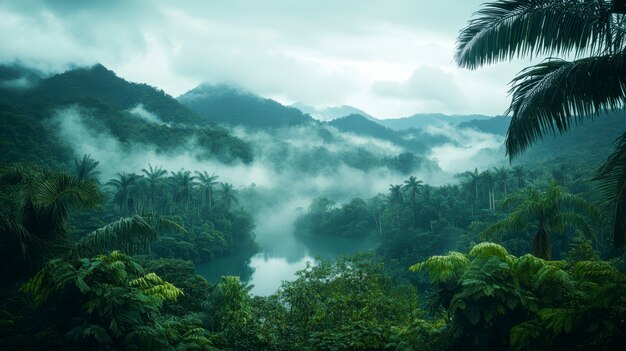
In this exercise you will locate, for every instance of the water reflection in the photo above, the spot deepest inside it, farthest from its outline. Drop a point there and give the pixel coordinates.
(279, 262)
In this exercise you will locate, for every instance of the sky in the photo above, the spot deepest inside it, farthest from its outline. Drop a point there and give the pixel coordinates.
(388, 58)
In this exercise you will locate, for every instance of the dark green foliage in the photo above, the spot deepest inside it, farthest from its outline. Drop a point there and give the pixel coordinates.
(352, 220)
(25, 138)
(555, 94)
(498, 301)
(360, 125)
(227, 105)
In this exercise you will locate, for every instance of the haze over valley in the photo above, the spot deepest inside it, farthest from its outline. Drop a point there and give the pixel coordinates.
(313, 176)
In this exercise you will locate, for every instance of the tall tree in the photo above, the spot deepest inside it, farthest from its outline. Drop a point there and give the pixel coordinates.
(123, 195)
(413, 186)
(544, 213)
(554, 94)
(182, 183)
(207, 184)
(488, 179)
(502, 175)
(85, 168)
(519, 173)
(155, 178)
(395, 194)
(227, 194)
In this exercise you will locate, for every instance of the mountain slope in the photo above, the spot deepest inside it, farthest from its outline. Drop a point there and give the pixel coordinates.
(424, 119)
(111, 106)
(224, 104)
(360, 125)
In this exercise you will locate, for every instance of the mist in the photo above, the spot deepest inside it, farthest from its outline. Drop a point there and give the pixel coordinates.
(292, 166)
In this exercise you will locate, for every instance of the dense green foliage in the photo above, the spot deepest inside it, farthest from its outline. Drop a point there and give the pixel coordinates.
(228, 105)
(104, 103)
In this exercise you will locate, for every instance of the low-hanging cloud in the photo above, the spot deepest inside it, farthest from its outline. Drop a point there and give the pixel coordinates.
(467, 149)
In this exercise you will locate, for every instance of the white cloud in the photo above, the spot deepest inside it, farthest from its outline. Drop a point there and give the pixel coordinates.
(319, 52)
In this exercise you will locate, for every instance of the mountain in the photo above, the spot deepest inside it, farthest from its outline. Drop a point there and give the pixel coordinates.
(423, 119)
(228, 105)
(495, 125)
(331, 113)
(111, 106)
(360, 125)
(97, 85)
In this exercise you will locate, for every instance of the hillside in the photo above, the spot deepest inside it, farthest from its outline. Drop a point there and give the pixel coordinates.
(423, 119)
(225, 104)
(109, 106)
(360, 125)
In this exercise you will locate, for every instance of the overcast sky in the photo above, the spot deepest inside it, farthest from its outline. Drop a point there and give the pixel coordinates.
(391, 58)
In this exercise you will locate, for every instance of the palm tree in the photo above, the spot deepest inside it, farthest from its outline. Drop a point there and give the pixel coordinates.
(395, 194)
(545, 213)
(554, 94)
(502, 175)
(519, 173)
(123, 185)
(182, 183)
(38, 231)
(488, 178)
(207, 183)
(413, 186)
(156, 179)
(472, 177)
(86, 168)
(228, 195)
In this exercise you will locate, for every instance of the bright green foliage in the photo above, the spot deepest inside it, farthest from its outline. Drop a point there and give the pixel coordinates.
(106, 301)
(544, 213)
(231, 315)
(441, 269)
(499, 301)
(349, 305)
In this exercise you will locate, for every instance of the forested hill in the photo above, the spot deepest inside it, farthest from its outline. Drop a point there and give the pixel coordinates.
(225, 104)
(360, 125)
(424, 119)
(107, 105)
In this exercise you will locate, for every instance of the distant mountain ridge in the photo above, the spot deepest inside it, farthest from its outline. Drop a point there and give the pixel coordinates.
(225, 104)
(333, 112)
(423, 119)
(360, 125)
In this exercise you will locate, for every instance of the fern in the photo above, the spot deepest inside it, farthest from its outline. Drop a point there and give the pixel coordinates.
(442, 269)
(152, 285)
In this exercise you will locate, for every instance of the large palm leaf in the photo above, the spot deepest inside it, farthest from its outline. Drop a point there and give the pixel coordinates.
(504, 29)
(555, 94)
(612, 182)
(131, 235)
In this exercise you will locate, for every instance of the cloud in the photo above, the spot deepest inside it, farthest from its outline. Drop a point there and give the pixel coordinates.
(140, 112)
(319, 52)
(430, 86)
(467, 150)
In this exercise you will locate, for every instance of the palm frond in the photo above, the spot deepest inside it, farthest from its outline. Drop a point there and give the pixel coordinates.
(611, 178)
(20, 236)
(54, 197)
(553, 95)
(505, 29)
(131, 235)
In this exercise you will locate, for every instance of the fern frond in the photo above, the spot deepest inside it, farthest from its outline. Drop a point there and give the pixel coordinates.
(152, 285)
(443, 268)
(486, 250)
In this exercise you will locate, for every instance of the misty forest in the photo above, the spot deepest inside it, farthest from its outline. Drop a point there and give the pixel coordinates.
(269, 214)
